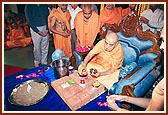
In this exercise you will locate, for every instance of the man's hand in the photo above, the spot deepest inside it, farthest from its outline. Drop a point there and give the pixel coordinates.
(143, 19)
(94, 73)
(65, 34)
(119, 98)
(43, 33)
(82, 70)
(111, 103)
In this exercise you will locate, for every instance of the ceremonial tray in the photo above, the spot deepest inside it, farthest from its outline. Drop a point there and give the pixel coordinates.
(29, 92)
(77, 91)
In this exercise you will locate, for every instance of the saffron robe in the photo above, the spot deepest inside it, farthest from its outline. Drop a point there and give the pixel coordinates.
(86, 31)
(113, 17)
(61, 42)
(17, 38)
(103, 61)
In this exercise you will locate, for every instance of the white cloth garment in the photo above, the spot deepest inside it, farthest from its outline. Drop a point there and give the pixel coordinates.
(156, 20)
(73, 13)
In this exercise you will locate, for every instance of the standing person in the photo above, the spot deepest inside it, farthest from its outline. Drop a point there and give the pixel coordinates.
(106, 57)
(129, 11)
(37, 17)
(59, 25)
(114, 15)
(73, 9)
(111, 15)
(152, 19)
(87, 26)
(93, 6)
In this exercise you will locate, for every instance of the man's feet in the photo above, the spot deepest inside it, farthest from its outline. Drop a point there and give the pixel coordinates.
(36, 65)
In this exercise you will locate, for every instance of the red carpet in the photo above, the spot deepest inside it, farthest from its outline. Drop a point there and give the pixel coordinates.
(9, 70)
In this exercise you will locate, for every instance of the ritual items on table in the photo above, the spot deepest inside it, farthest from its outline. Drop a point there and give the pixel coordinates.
(77, 91)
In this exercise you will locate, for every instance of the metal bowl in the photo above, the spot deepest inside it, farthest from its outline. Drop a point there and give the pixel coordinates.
(29, 92)
(93, 71)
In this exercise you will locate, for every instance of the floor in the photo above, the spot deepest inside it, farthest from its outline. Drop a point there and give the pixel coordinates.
(23, 57)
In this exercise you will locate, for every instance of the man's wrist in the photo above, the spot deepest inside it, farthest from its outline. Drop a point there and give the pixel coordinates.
(83, 65)
(100, 73)
(127, 98)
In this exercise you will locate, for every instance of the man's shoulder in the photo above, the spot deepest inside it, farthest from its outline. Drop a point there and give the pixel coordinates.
(119, 47)
(100, 43)
(78, 9)
(94, 13)
(103, 40)
(147, 10)
(52, 13)
(104, 10)
(53, 10)
(80, 13)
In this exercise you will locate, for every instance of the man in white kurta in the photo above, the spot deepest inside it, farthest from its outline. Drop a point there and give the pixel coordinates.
(73, 9)
(153, 19)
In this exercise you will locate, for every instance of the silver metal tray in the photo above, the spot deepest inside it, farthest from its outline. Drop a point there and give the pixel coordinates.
(29, 92)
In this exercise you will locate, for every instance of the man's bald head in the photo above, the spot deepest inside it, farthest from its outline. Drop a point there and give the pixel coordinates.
(111, 36)
(87, 6)
(110, 6)
(111, 41)
(87, 11)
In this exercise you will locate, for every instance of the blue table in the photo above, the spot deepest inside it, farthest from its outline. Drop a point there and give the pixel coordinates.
(52, 101)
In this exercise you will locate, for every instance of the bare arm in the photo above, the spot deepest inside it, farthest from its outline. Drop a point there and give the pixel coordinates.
(141, 102)
(110, 71)
(53, 26)
(85, 62)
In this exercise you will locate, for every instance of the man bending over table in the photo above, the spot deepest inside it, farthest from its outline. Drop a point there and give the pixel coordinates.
(106, 57)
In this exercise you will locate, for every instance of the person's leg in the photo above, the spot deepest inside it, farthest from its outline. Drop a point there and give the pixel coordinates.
(73, 40)
(44, 50)
(36, 38)
(109, 80)
(44, 46)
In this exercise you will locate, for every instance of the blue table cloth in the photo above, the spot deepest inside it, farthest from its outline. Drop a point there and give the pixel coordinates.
(52, 101)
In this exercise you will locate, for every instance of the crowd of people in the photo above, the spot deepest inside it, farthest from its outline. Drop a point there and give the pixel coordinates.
(74, 25)
(107, 55)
